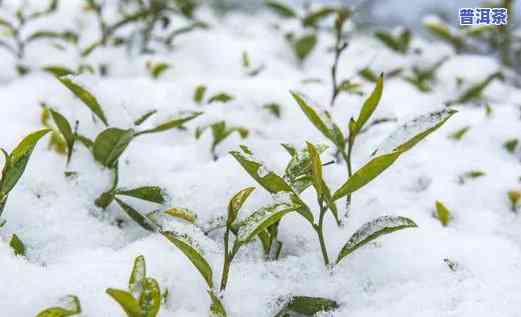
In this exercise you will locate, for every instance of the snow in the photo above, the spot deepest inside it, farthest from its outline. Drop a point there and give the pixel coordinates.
(75, 248)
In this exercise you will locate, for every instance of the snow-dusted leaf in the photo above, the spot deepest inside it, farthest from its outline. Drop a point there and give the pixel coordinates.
(17, 245)
(306, 306)
(236, 203)
(182, 213)
(272, 182)
(298, 170)
(316, 169)
(136, 216)
(69, 306)
(85, 96)
(370, 105)
(412, 132)
(372, 230)
(110, 144)
(17, 162)
(128, 303)
(216, 308)
(148, 193)
(321, 120)
(65, 129)
(138, 274)
(187, 245)
(176, 122)
(150, 298)
(261, 219)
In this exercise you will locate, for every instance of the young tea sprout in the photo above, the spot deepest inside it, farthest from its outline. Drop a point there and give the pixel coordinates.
(399, 142)
(340, 46)
(220, 132)
(17, 40)
(143, 298)
(111, 143)
(68, 306)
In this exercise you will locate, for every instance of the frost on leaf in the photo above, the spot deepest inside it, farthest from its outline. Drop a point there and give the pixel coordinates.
(372, 230)
(412, 132)
(298, 170)
(261, 219)
(137, 276)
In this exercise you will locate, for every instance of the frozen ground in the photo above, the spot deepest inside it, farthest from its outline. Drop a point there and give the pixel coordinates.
(74, 249)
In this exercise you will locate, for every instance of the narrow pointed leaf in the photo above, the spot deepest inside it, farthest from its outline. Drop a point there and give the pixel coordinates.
(135, 215)
(17, 245)
(186, 245)
(138, 274)
(370, 104)
(144, 117)
(148, 193)
(150, 299)
(261, 219)
(71, 307)
(182, 213)
(236, 203)
(316, 169)
(176, 122)
(85, 96)
(65, 129)
(307, 306)
(18, 160)
(281, 9)
(442, 213)
(372, 230)
(126, 301)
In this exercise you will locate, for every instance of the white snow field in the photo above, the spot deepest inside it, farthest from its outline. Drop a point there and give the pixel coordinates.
(74, 247)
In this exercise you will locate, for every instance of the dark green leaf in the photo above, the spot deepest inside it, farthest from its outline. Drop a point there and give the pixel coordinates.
(216, 308)
(307, 306)
(370, 105)
(176, 122)
(313, 18)
(221, 97)
(135, 215)
(304, 45)
(110, 144)
(65, 130)
(148, 193)
(144, 117)
(199, 93)
(17, 245)
(281, 9)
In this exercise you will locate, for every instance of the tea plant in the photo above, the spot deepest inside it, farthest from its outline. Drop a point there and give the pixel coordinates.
(143, 298)
(475, 92)
(423, 77)
(399, 142)
(69, 306)
(339, 47)
(16, 39)
(111, 143)
(220, 132)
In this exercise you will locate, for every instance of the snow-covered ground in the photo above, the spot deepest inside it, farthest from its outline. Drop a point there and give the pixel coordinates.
(73, 247)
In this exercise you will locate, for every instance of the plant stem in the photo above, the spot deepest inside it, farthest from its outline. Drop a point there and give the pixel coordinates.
(320, 231)
(228, 258)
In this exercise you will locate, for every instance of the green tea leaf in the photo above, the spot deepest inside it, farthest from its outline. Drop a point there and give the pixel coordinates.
(135, 215)
(110, 144)
(71, 304)
(304, 45)
(322, 121)
(442, 31)
(458, 135)
(126, 301)
(368, 75)
(372, 230)
(199, 93)
(388, 40)
(442, 213)
(511, 145)
(150, 299)
(236, 203)
(138, 274)
(261, 219)
(18, 160)
(316, 169)
(144, 117)
(281, 9)
(17, 245)
(59, 71)
(365, 174)
(85, 96)
(148, 193)
(65, 129)
(176, 122)
(273, 108)
(307, 306)
(370, 104)
(186, 245)
(182, 213)
(221, 97)
(156, 69)
(313, 18)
